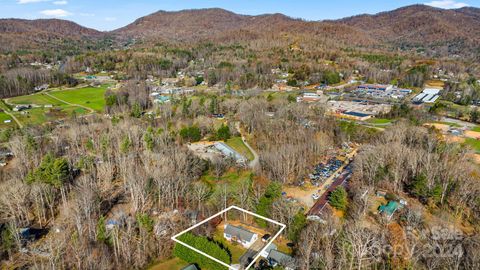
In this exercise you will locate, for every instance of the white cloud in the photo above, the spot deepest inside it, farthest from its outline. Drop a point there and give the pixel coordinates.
(63, 2)
(86, 14)
(30, 1)
(110, 19)
(447, 4)
(56, 13)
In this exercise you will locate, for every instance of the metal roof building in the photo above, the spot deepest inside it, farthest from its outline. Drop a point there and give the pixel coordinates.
(230, 152)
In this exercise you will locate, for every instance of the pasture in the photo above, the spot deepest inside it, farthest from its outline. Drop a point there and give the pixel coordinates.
(90, 97)
(37, 99)
(3, 118)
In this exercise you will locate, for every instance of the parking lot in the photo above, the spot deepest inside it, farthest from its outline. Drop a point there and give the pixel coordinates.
(323, 171)
(324, 174)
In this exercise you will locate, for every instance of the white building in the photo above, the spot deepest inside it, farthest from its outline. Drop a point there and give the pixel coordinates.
(239, 235)
(428, 95)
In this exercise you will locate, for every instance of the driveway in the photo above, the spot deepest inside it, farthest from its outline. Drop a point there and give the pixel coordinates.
(255, 162)
(251, 252)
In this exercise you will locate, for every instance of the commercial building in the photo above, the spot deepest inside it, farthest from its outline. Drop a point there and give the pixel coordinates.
(428, 95)
(356, 115)
(229, 152)
(382, 91)
(311, 97)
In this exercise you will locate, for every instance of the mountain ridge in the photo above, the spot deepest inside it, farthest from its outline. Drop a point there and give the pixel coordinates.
(454, 30)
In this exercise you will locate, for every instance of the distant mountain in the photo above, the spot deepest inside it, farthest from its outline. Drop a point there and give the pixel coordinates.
(457, 30)
(437, 31)
(44, 33)
(218, 25)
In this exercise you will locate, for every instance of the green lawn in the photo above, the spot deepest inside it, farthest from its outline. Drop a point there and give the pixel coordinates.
(235, 249)
(237, 144)
(232, 177)
(3, 117)
(476, 129)
(380, 121)
(91, 97)
(38, 99)
(38, 116)
(474, 143)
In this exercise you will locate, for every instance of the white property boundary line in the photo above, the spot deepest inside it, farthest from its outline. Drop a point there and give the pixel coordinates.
(283, 226)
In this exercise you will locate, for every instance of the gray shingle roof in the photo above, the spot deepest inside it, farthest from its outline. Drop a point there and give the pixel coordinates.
(239, 233)
(190, 267)
(281, 258)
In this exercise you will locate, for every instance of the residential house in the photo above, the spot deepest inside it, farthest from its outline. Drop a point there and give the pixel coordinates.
(277, 258)
(41, 87)
(270, 247)
(239, 235)
(20, 108)
(389, 209)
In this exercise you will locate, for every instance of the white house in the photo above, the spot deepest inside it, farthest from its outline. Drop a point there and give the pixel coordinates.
(239, 235)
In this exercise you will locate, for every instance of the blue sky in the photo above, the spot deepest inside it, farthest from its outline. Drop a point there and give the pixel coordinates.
(111, 14)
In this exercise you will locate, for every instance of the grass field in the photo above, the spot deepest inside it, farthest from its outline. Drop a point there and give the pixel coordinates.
(235, 249)
(91, 97)
(476, 129)
(474, 143)
(38, 99)
(3, 117)
(237, 144)
(232, 178)
(380, 121)
(38, 116)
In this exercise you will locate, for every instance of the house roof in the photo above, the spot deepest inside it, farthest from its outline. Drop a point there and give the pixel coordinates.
(239, 232)
(271, 247)
(190, 267)
(389, 208)
(281, 258)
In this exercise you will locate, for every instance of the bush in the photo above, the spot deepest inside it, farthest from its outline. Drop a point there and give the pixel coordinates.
(201, 243)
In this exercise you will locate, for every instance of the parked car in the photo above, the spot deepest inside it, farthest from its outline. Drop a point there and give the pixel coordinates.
(266, 237)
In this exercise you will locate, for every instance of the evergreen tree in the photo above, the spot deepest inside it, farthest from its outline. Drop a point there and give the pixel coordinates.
(338, 198)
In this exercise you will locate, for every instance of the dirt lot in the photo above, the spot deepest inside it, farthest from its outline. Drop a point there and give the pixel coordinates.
(472, 134)
(441, 127)
(454, 139)
(302, 194)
